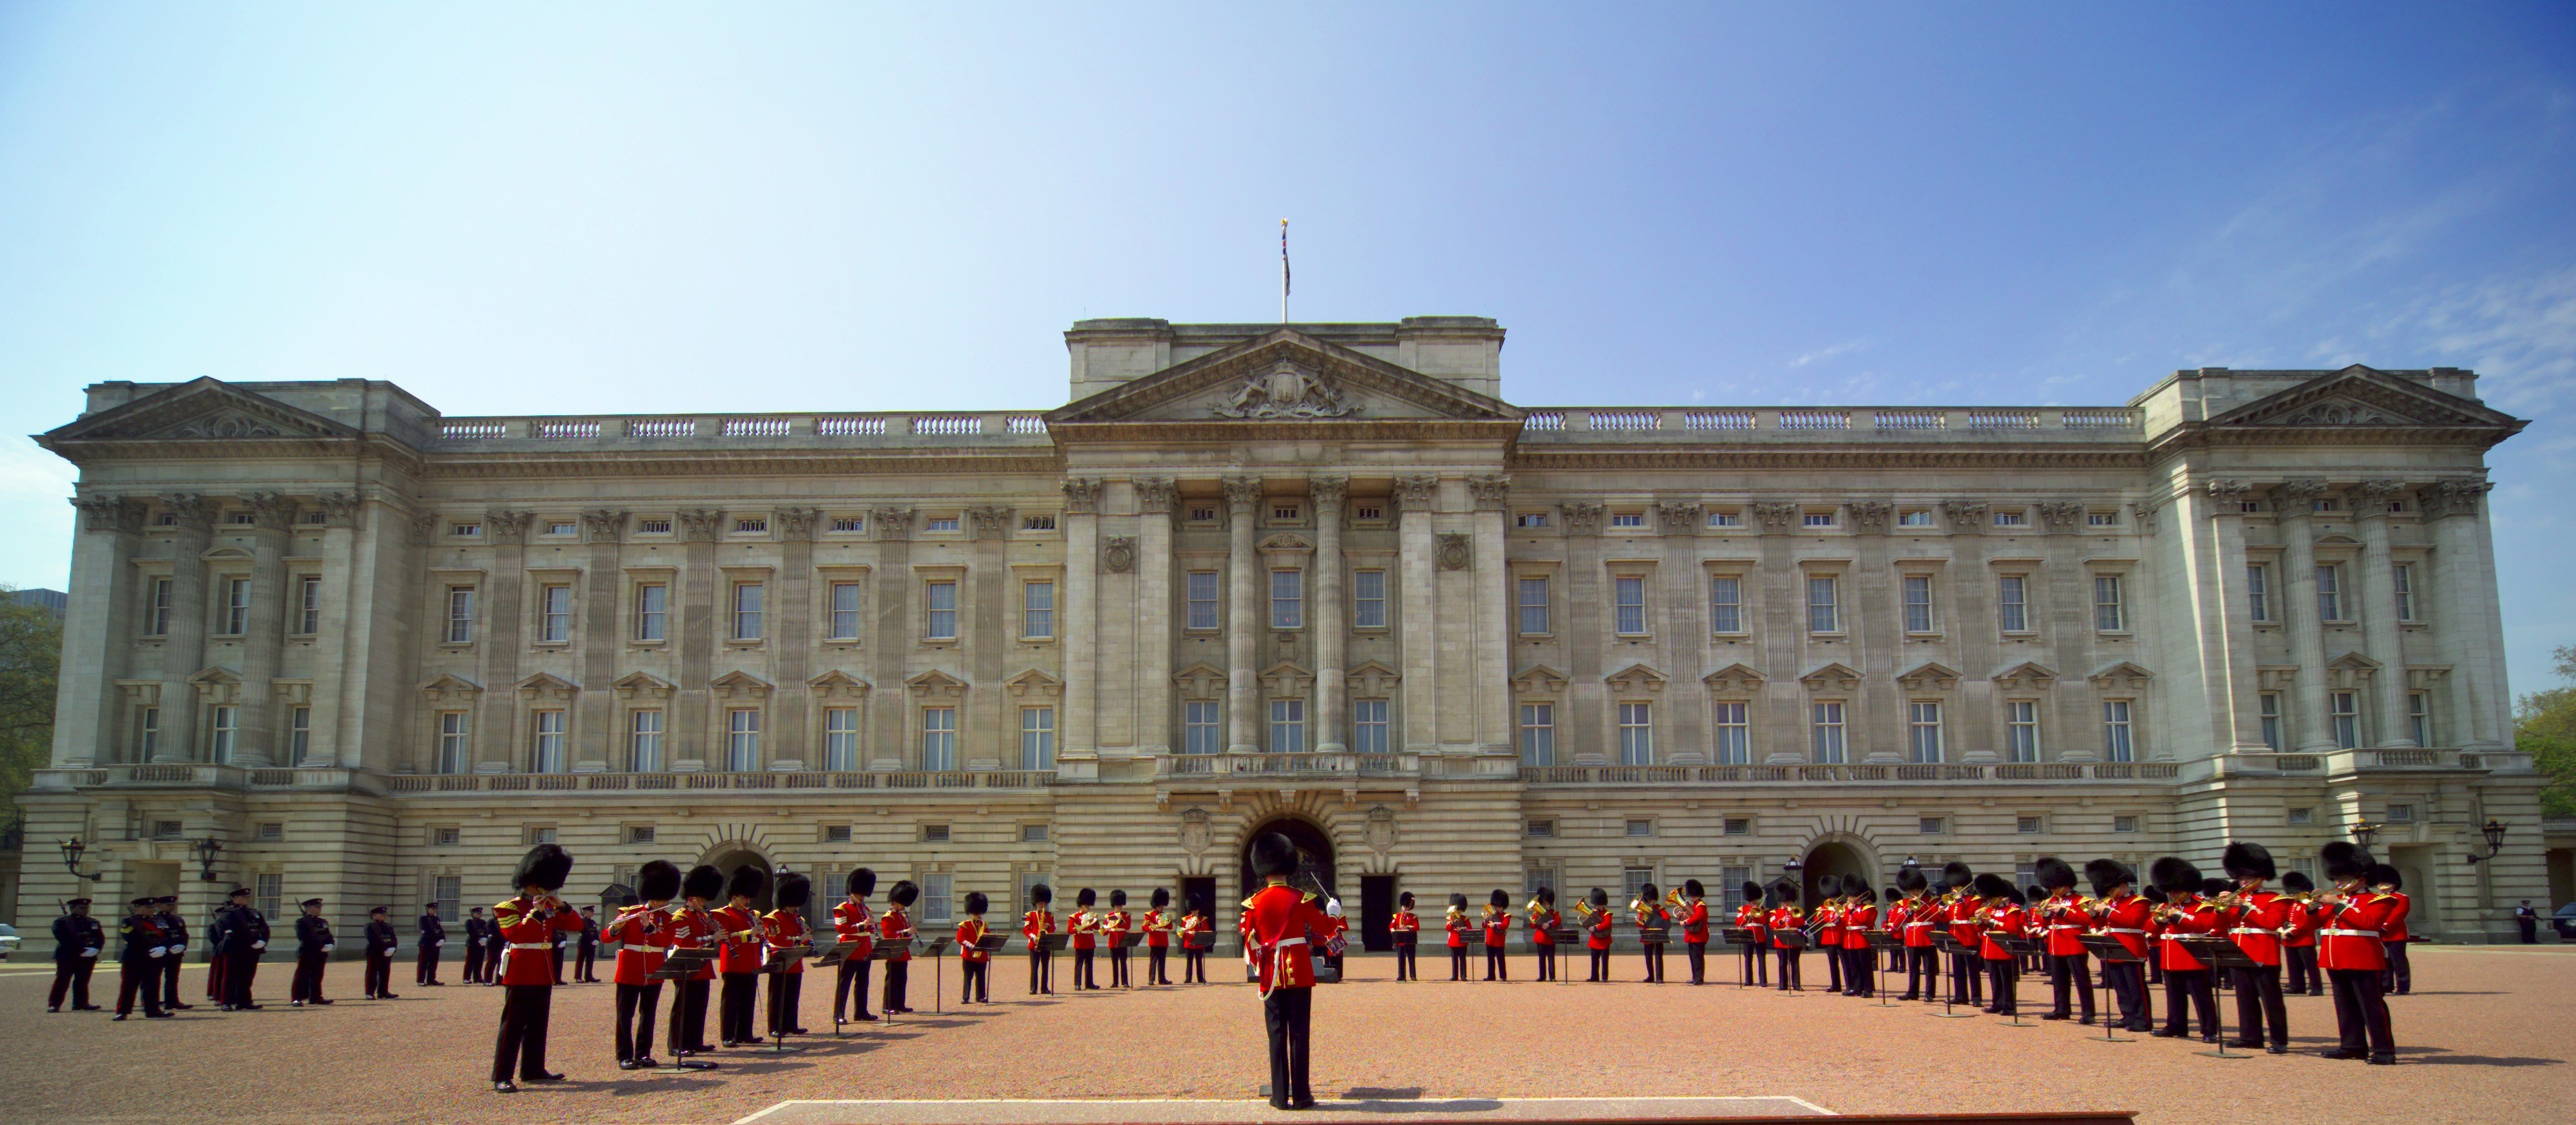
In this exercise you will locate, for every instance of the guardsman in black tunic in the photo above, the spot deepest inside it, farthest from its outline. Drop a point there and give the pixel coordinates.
(241, 935)
(585, 968)
(380, 955)
(313, 946)
(138, 962)
(433, 934)
(480, 956)
(78, 938)
(165, 914)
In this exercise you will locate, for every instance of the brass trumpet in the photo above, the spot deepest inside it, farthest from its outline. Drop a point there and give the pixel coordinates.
(1583, 910)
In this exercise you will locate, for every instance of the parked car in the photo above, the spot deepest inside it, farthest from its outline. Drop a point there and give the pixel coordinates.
(8, 940)
(2565, 921)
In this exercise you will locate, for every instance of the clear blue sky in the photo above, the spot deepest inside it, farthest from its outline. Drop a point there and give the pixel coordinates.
(656, 207)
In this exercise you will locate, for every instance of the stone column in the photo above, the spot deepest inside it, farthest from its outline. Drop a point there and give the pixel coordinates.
(2291, 502)
(1874, 618)
(892, 640)
(1078, 619)
(2464, 581)
(183, 650)
(1328, 621)
(95, 647)
(989, 730)
(1682, 634)
(1783, 734)
(497, 733)
(696, 592)
(1419, 631)
(2231, 669)
(599, 745)
(2379, 633)
(1154, 712)
(1494, 609)
(272, 516)
(795, 615)
(1242, 615)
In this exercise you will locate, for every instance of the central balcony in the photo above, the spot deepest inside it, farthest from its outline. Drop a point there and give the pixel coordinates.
(1849, 774)
(1281, 766)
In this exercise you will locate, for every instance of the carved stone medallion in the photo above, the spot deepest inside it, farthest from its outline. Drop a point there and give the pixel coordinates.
(1118, 554)
(1453, 551)
(1284, 391)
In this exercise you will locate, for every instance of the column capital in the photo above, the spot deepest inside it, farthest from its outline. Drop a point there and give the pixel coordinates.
(2370, 498)
(699, 525)
(2455, 496)
(1493, 491)
(1776, 515)
(2297, 496)
(109, 513)
(2062, 515)
(340, 509)
(191, 511)
(1582, 517)
(988, 522)
(1871, 515)
(271, 511)
(512, 527)
(1082, 495)
(1965, 515)
(608, 525)
(2227, 497)
(1328, 492)
(1417, 493)
(1241, 494)
(1154, 495)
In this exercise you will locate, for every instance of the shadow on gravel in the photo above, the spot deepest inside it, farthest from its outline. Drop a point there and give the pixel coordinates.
(2442, 1056)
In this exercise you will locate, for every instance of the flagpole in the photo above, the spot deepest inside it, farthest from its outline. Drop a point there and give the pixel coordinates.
(1283, 271)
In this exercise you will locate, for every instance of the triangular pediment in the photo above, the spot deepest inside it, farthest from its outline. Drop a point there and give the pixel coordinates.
(1284, 376)
(202, 410)
(1734, 677)
(1929, 674)
(2366, 398)
(836, 680)
(1539, 679)
(2028, 673)
(546, 684)
(1201, 680)
(645, 684)
(1635, 677)
(448, 685)
(2120, 673)
(739, 684)
(1034, 682)
(1833, 675)
(2353, 661)
(937, 684)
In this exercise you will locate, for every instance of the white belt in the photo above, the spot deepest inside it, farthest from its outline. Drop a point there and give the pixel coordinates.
(2253, 930)
(2064, 927)
(528, 945)
(2371, 934)
(1284, 943)
(2118, 930)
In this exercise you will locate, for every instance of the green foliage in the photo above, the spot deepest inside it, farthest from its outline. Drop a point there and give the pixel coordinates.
(2545, 728)
(31, 655)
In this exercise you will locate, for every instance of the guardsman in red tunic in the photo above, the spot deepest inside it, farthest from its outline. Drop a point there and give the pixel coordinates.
(978, 963)
(2299, 947)
(895, 928)
(1596, 934)
(1541, 917)
(1695, 928)
(739, 958)
(2121, 914)
(1158, 938)
(1959, 916)
(1459, 928)
(853, 924)
(1860, 915)
(2063, 923)
(1788, 933)
(1283, 921)
(2255, 919)
(1922, 921)
(2187, 979)
(1194, 960)
(1999, 917)
(528, 925)
(1084, 927)
(642, 931)
(693, 927)
(1755, 922)
(1035, 926)
(2352, 927)
(2384, 880)
(783, 929)
(1114, 924)
(1651, 917)
(1498, 927)
(1405, 931)
(1827, 918)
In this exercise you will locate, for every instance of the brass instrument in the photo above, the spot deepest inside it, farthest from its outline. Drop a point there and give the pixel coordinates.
(1535, 907)
(1583, 910)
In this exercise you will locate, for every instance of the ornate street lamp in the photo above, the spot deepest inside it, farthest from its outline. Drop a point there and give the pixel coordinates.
(72, 850)
(2494, 832)
(2362, 831)
(206, 850)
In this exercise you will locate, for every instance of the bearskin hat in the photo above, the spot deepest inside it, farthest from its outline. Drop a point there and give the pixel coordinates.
(1040, 894)
(2053, 873)
(1200, 904)
(2174, 875)
(1991, 885)
(2247, 861)
(2383, 875)
(2154, 894)
(657, 881)
(2298, 883)
(2212, 888)
(976, 903)
(747, 882)
(1650, 894)
(1828, 887)
(2033, 891)
(862, 882)
(1457, 901)
(703, 881)
(794, 891)
(903, 893)
(1117, 898)
(1857, 887)
(1406, 899)
(1547, 896)
(1910, 879)
(1272, 854)
(1600, 898)
(1784, 891)
(1084, 897)
(1162, 897)
(545, 865)
(2344, 860)
(1498, 898)
(1955, 875)
(2108, 873)
(1692, 889)
(631, 900)
(1752, 891)
(1887, 894)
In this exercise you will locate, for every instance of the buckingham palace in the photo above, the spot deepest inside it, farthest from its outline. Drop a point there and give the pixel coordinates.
(324, 640)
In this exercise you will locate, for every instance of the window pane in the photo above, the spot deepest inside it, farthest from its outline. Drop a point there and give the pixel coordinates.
(1636, 734)
(309, 605)
(746, 611)
(1037, 738)
(548, 754)
(1821, 615)
(2021, 728)
(1368, 605)
(845, 611)
(1203, 599)
(1631, 595)
(2106, 604)
(557, 625)
(1538, 734)
(2269, 704)
(1734, 735)
(941, 622)
(742, 739)
(1287, 599)
(644, 742)
(1828, 737)
(1368, 726)
(2115, 731)
(460, 614)
(453, 727)
(2330, 593)
(2258, 593)
(1533, 606)
(651, 602)
(1923, 732)
(2402, 582)
(939, 738)
(1199, 728)
(841, 738)
(1726, 604)
(2012, 604)
(1287, 726)
(1037, 609)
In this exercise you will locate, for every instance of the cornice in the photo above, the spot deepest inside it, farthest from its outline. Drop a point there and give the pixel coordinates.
(828, 462)
(1539, 458)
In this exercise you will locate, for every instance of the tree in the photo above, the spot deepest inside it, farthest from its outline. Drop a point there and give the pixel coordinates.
(31, 657)
(2545, 727)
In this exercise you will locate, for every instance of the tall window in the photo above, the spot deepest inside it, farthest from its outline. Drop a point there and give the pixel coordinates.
(2268, 705)
(220, 734)
(938, 896)
(652, 604)
(2402, 581)
(299, 735)
(547, 756)
(2346, 708)
(644, 741)
(236, 606)
(1368, 726)
(1037, 738)
(147, 736)
(2329, 592)
(1287, 599)
(2012, 603)
(2109, 615)
(2021, 729)
(742, 739)
(1734, 743)
(845, 611)
(1538, 734)
(1037, 609)
(157, 623)
(1287, 726)
(554, 622)
(1199, 728)
(1629, 594)
(2258, 591)
(270, 890)
(453, 729)
(1725, 604)
(2116, 743)
(1923, 732)
(939, 738)
(1821, 612)
(1636, 734)
(1368, 599)
(1533, 607)
(940, 623)
(746, 610)
(1828, 724)
(1203, 600)
(308, 604)
(840, 739)
(460, 615)
(2419, 717)
(445, 890)
(1918, 603)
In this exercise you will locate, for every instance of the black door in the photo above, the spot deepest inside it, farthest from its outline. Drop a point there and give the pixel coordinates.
(1377, 908)
(1199, 891)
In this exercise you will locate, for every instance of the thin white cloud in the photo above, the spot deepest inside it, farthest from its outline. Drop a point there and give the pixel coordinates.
(1822, 354)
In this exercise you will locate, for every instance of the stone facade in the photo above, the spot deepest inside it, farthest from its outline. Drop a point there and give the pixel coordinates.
(1317, 575)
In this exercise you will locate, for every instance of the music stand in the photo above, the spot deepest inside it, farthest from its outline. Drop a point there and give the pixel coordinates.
(2217, 953)
(1128, 940)
(778, 962)
(2109, 948)
(1199, 941)
(1947, 944)
(832, 958)
(936, 949)
(1739, 937)
(2018, 947)
(1881, 940)
(885, 950)
(678, 966)
(989, 944)
(1565, 938)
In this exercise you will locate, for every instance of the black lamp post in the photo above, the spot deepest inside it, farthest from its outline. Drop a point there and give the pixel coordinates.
(72, 850)
(2362, 831)
(206, 850)
(2494, 832)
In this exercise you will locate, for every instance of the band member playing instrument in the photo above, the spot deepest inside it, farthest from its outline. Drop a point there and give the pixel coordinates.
(1694, 921)
(1193, 959)
(1649, 911)
(2299, 948)
(1596, 934)
(1751, 918)
(1786, 919)
(1405, 930)
(2352, 925)
(1541, 917)
(978, 963)
(784, 928)
(740, 956)
(2063, 923)
(2121, 914)
(1960, 906)
(692, 927)
(1035, 925)
(1459, 927)
(1826, 920)
(2254, 919)
(1337, 938)
(1911, 919)
(2187, 979)
(1860, 915)
(2384, 880)
(895, 927)
(1158, 937)
(527, 925)
(642, 931)
(852, 924)
(1999, 917)
(1084, 926)
(1113, 926)
(1283, 921)
(1498, 925)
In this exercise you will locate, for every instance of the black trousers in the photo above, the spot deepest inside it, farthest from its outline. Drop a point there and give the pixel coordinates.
(1457, 962)
(2305, 977)
(843, 990)
(979, 974)
(307, 983)
(2070, 971)
(1406, 968)
(72, 976)
(524, 1010)
(1833, 967)
(1158, 969)
(784, 990)
(380, 974)
(1084, 966)
(1789, 975)
(585, 964)
(1857, 972)
(734, 1008)
(1118, 977)
(425, 970)
(138, 979)
(635, 1004)
(1041, 973)
(2361, 1011)
(689, 1016)
(898, 974)
(2530, 928)
(2192, 986)
(1193, 966)
(2400, 977)
(1546, 961)
(2258, 1004)
(1923, 973)
(1654, 964)
(1288, 1013)
(2128, 982)
(241, 968)
(1756, 969)
(1600, 966)
(2004, 976)
(1698, 953)
(170, 981)
(1967, 984)
(1498, 965)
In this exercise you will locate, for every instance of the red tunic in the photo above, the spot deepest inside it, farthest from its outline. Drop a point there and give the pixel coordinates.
(1964, 927)
(2255, 926)
(741, 951)
(1405, 927)
(1695, 923)
(1191, 924)
(1857, 920)
(1496, 927)
(969, 932)
(643, 937)
(1748, 918)
(692, 928)
(1922, 917)
(1281, 920)
(1599, 935)
(851, 922)
(894, 927)
(1830, 934)
(2127, 918)
(2195, 918)
(1158, 929)
(1540, 922)
(2350, 933)
(1459, 927)
(1036, 923)
(783, 929)
(2063, 926)
(1113, 928)
(2006, 921)
(1783, 920)
(1083, 926)
(2397, 915)
(2303, 926)
(528, 928)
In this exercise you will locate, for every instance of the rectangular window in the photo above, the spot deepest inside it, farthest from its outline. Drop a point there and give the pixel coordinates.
(1929, 825)
(2109, 615)
(2101, 519)
(1918, 603)
(1539, 829)
(2012, 603)
(849, 523)
(1202, 513)
(168, 829)
(1726, 519)
(446, 890)
(2014, 518)
(1368, 513)
(157, 623)
(559, 527)
(2329, 593)
(1819, 519)
(2402, 582)
(2124, 824)
(1627, 519)
(2419, 717)
(1368, 726)
(1636, 734)
(840, 739)
(940, 623)
(937, 893)
(942, 523)
(2021, 730)
(460, 615)
(547, 756)
(1285, 511)
(1037, 610)
(1538, 734)
(1287, 599)
(1641, 828)
(1630, 595)
(1734, 742)
(1731, 882)
(1530, 519)
(1287, 726)
(653, 527)
(2303, 816)
(652, 604)
(1725, 604)
(1828, 723)
(454, 727)
(1199, 728)
(1919, 517)
(1534, 621)
(1821, 613)
(2346, 707)
(1037, 738)
(236, 606)
(1033, 833)
(1038, 523)
(2116, 743)
(1633, 880)
(2401, 814)
(934, 833)
(843, 624)
(836, 833)
(939, 738)
(308, 604)
(299, 735)
(742, 739)
(465, 530)
(2268, 704)
(2027, 825)
(1368, 599)
(640, 833)
(554, 613)
(147, 738)
(746, 610)
(1737, 826)
(644, 742)
(541, 835)
(270, 891)
(2258, 591)
(219, 736)
(1923, 732)
(1203, 601)
(447, 837)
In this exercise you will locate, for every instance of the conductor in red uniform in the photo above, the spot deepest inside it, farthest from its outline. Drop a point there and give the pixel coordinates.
(2352, 927)
(1498, 926)
(1280, 921)
(853, 924)
(528, 924)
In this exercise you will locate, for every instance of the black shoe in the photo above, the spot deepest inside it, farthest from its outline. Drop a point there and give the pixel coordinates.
(733, 1042)
(2345, 1053)
(160, 1015)
(1302, 1103)
(2383, 1060)
(2244, 1046)
(389, 996)
(318, 1000)
(2057, 1016)
(542, 1076)
(247, 1007)
(1280, 1105)
(870, 1017)
(2209, 1039)
(179, 1007)
(647, 1062)
(798, 1031)
(89, 1007)
(626, 1064)
(2087, 1021)
(295, 1003)
(505, 1088)
(2165, 1033)
(117, 1016)
(2276, 1049)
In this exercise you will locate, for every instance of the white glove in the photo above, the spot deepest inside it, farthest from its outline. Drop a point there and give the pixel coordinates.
(328, 947)
(259, 945)
(436, 944)
(158, 950)
(90, 952)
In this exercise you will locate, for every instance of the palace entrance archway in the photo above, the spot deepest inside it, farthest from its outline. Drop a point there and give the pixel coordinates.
(1838, 859)
(1314, 851)
(728, 857)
